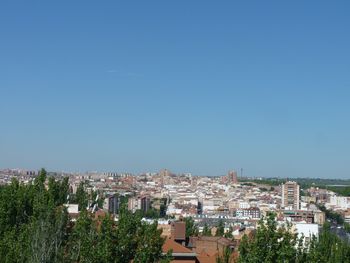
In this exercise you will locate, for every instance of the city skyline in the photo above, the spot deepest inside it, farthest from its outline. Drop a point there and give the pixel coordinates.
(195, 87)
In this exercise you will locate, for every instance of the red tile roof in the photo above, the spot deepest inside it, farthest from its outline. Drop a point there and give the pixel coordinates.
(170, 244)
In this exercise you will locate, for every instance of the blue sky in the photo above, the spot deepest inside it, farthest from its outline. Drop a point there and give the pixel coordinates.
(192, 86)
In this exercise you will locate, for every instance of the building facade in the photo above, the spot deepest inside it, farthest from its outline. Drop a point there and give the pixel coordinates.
(291, 195)
(232, 177)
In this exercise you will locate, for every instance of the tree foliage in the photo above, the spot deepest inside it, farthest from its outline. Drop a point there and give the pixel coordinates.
(191, 228)
(329, 248)
(229, 234)
(220, 229)
(226, 257)
(278, 244)
(33, 221)
(35, 227)
(206, 230)
(81, 197)
(270, 244)
(332, 215)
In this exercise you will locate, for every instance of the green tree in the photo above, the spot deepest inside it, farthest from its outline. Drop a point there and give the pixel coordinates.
(81, 197)
(191, 228)
(64, 190)
(149, 244)
(206, 230)
(126, 233)
(347, 227)
(82, 240)
(220, 229)
(226, 257)
(162, 210)
(32, 221)
(245, 248)
(151, 213)
(105, 247)
(270, 244)
(328, 248)
(54, 192)
(48, 236)
(228, 234)
(34, 227)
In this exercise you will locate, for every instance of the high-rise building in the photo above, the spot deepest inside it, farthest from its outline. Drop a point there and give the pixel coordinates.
(232, 177)
(164, 173)
(145, 203)
(291, 195)
(112, 204)
(134, 204)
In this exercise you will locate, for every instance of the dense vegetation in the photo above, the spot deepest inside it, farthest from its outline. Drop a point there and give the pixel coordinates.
(206, 230)
(332, 215)
(342, 190)
(338, 186)
(35, 227)
(273, 244)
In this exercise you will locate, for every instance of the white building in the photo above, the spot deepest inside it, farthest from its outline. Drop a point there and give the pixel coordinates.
(307, 230)
(210, 205)
(72, 208)
(244, 205)
(339, 201)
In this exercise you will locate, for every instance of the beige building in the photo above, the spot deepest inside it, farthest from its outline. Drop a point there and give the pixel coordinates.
(232, 177)
(319, 217)
(291, 195)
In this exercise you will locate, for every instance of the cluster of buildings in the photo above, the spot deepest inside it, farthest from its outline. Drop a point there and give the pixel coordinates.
(331, 201)
(22, 175)
(208, 200)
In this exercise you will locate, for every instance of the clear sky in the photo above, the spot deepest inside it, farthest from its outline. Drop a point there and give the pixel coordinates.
(192, 86)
